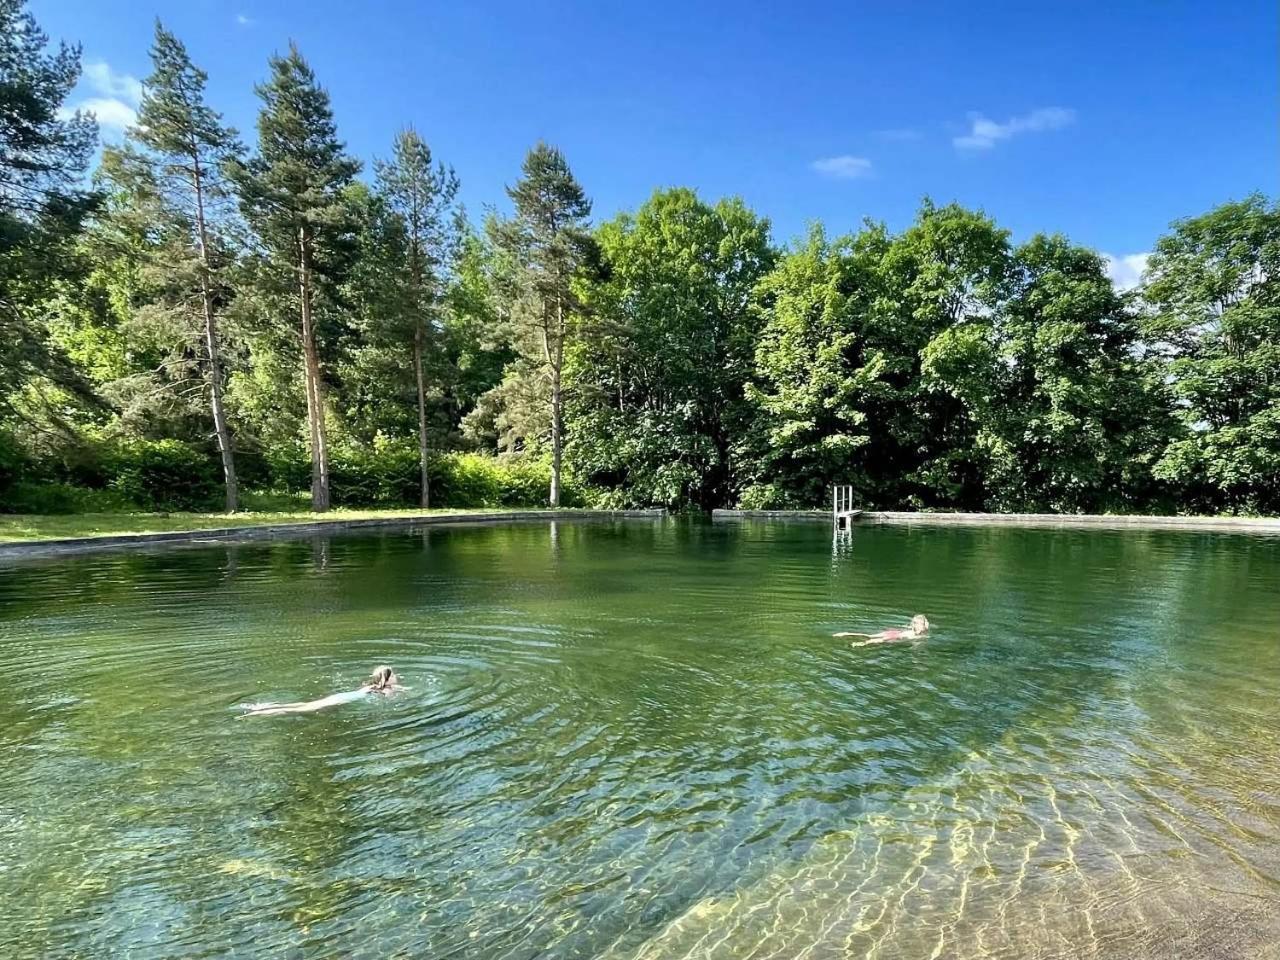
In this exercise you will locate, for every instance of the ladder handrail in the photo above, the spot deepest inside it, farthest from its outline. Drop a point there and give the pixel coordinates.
(841, 499)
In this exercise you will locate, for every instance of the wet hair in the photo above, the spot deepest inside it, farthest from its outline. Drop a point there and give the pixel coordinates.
(920, 623)
(382, 678)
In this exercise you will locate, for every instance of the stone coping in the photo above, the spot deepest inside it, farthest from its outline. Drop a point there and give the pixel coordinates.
(1098, 521)
(775, 515)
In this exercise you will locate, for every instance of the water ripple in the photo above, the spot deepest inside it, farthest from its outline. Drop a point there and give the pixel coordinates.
(639, 740)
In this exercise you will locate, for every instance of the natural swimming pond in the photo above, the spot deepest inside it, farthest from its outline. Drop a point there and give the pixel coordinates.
(639, 740)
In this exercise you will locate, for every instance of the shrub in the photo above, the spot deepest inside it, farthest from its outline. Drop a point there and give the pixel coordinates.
(164, 475)
(385, 475)
(464, 480)
(173, 475)
(388, 474)
(11, 461)
(288, 470)
(767, 496)
(525, 483)
(52, 497)
(170, 475)
(607, 498)
(476, 480)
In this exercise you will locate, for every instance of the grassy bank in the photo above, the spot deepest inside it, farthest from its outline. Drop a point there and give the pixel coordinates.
(32, 528)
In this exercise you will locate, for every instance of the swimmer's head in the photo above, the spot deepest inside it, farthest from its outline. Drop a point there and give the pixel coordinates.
(920, 623)
(384, 678)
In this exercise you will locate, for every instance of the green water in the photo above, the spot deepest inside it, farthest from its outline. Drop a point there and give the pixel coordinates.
(639, 740)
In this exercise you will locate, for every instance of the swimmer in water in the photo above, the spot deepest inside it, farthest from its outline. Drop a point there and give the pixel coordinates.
(384, 681)
(919, 627)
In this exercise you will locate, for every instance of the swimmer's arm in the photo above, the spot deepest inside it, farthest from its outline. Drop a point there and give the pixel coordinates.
(869, 636)
(275, 710)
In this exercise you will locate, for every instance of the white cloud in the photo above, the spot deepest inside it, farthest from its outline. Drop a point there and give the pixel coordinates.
(243, 20)
(1126, 271)
(984, 134)
(116, 97)
(899, 134)
(843, 167)
(111, 114)
(108, 83)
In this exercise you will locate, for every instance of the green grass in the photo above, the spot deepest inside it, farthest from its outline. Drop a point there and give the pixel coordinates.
(29, 528)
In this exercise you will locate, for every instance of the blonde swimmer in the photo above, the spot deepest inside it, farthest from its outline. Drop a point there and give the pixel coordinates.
(384, 681)
(918, 628)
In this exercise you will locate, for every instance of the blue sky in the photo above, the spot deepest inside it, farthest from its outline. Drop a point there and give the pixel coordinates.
(1100, 120)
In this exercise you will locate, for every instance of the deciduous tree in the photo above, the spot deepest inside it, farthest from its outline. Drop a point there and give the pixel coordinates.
(1066, 410)
(818, 377)
(659, 403)
(1213, 313)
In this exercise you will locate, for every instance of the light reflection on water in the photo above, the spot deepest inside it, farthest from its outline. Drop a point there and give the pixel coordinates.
(638, 740)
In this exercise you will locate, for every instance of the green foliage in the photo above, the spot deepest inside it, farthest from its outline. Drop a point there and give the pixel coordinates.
(819, 375)
(657, 384)
(846, 325)
(168, 217)
(1213, 317)
(96, 474)
(771, 496)
(476, 354)
(1062, 403)
(941, 368)
(13, 464)
(386, 474)
(544, 252)
(288, 469)
(45, 152)
(43, 156)
(297, 194)
(948, 269)
(295, 181)
(410, 243)
(48, 498)
(163, 475)
(419, 195)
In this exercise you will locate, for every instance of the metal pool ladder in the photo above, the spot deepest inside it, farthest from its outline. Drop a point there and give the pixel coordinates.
(842, 511)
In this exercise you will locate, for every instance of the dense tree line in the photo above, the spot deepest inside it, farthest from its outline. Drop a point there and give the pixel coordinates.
(207, 316)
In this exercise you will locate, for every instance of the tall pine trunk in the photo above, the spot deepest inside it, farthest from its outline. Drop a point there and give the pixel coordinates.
(419, 346)
(314, 383)
(557, 407)
(220, 427)
(556, 452)
(422, 416)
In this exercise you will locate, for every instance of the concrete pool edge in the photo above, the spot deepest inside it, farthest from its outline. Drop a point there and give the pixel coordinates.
(1083, 520)
(267, 531)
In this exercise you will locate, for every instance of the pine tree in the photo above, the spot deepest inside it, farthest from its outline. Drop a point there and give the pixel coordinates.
(421, 195)
(292, 195)
(43, 153)
(43, 158)
(169, 182)
(547, 243)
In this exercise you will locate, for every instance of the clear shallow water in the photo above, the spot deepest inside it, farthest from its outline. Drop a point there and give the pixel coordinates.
(638, 740)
